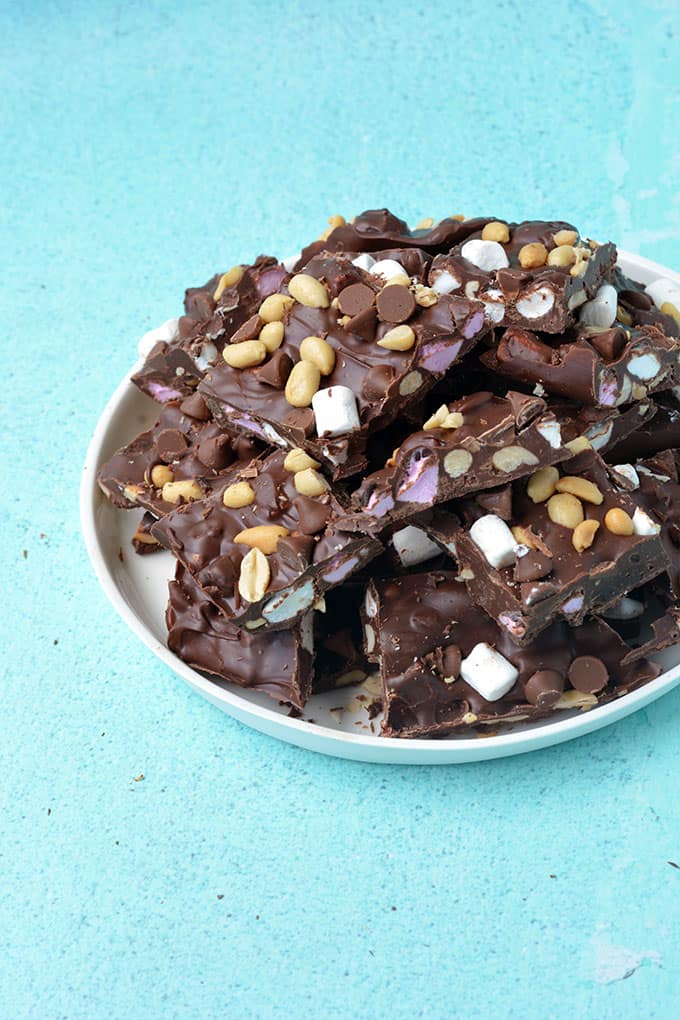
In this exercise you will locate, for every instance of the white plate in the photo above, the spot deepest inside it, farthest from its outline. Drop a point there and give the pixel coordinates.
(137, 587)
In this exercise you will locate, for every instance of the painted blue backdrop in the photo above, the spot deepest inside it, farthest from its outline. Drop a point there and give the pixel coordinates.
(143, 146)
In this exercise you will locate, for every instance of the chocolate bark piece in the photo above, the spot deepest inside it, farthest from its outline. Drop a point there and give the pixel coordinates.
(185, 449)
(636, 308)
(376, 230)
(339, 658)
(272, 589)
(657, 489)
(660, 432)
(365, 386)
(427, 633)
(583, 578)
(604, 369)
(478, 442)
(280, 664)
(143, 541)
(174, 368)
(517, 280)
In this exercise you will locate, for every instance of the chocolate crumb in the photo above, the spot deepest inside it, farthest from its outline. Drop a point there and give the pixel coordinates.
(49, 812)
(56, 641)
(139, 778)
(220, 895)
(120, 555)
(24, 553)
(674, 865)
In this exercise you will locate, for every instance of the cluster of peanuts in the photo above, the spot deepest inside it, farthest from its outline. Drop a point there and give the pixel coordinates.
(567, 253)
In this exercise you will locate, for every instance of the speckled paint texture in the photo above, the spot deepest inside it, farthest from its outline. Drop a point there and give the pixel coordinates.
(157, 859)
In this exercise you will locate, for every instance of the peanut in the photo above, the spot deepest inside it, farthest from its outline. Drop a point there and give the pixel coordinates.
(618, 522)
(297, 460)
(579, 444)
(238, 495)
(400, 338)
(187, 490)
(400, 280)
(563, 255)
(565, 237)
(436, 420)
(309, 291)
(303, 382)
(565, 509)
(424, 224)
(509, 458)
(228, 279)
(271, 335)
(584, 534)
(255, 576)
(457, 462)
(264, 537)
(496, 231)
(425, 296)
(532, 255)
(523, 536)
(333, 222)
(319, 352)
(541, 485)
(581, 488)
(668, 308)
(274, 307)
(246, 354)
(309, 482)
(161, 475)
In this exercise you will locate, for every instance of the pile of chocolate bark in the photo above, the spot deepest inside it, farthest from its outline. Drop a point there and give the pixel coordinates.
(445, 453)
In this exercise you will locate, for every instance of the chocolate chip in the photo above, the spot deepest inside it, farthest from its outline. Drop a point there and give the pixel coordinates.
(395, 304)
(451, 660)
(245, 448)
(275, 372)
(355, 299)
(170, 444)
(199, 305)
(312, 514)
(300, 419)
(532, 566)
(544, 688)
(250, 330)
(195, 407)
(216, 453)
(186, 326)
(364, 324)
(511, 281)
(588, 674)
(636, 299)
(610, 343)
(525, 408)
(497, 501)
(376, 381)
(295, 551)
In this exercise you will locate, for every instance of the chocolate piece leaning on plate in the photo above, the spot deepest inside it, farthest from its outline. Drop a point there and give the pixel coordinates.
(533, 274)
(573, 545)
(605, 368)
(280, 665)
(183, 456)
(446, 667)
(375, 230)
(264, 549)
(340, 351)
(478, 442)
(179, 352)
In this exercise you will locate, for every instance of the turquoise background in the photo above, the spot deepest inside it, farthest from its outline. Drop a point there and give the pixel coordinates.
(142, 147)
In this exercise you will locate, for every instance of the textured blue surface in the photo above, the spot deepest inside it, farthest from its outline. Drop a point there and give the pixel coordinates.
(141, 148)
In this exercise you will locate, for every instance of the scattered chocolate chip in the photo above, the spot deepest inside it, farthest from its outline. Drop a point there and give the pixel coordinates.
(588, 674)
(532, 566)
(364, 324)
(610, 343)
(313, 514)
(497, 501)
(171, 444)
(195, 407)
(355, 299)
(524, 407)
(544, 688)
(216, 453)
(250, 330)
(301, 419)
(376, 381)
(275, 372)
(295, 551)
(244, 447)
(395, 304)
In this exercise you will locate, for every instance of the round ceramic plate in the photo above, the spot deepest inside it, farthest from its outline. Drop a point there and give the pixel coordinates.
(335, 723)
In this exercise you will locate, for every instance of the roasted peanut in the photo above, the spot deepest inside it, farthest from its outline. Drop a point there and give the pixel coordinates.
(619, 522)
(565, 509)
(309, 482)
(309, 291)
(303, 382)
(246, 354)
(238, 495)
(187, 489)
(496, 231)
(424, 224)
(581, 488)
(564, 255)
(565, 237)
(509, 458)
(400, 338)
(541, 485)
(457, 462)
(274, 307)
(579, 444)
(228, 279)
(319, 352)
(264, 537)
(297, 460)
(271, 335)
(584, 534)
(532, 255)
(425, 296)
(436, 420)
(255, 576)
(161, 474)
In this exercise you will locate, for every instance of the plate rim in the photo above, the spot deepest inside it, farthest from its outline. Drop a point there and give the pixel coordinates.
(317, 737)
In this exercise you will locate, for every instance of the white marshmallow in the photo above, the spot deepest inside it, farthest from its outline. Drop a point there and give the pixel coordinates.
(445, 283)
(535, 303)
(601, 310)
(663, 290)
(644, 366)
(335, 411)
(488, 672)
(290, 262)
(208, 356)
(643, 523)
(167, 332)
(494, 539)
(413, 546)
(629, 472)
(625, 609)
(387, 268)
(551, 432)
(364, 261)
(486, 255)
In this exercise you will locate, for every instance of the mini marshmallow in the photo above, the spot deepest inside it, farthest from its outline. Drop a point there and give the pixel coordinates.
(534, 304)
(551, 432)
(413, 546)
(445, 283)
(364, 261)
(486, 255)
(644, 366)
(488, 672)
(387, 268)
(629, 472)
(643, 523)
(494, 539)
(625, 609)
(208, 356)
(601, 310)
(663, 290)
(291, 261)
(166, 332)
(335, 411)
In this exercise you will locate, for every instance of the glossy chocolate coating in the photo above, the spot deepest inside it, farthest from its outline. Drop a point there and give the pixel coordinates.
(659, 495)
(634, 300)
(383, 381)
(201, 535)
(418, 619)
(339, 659)
(661, 432)
(280, 664)
(577, 583)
